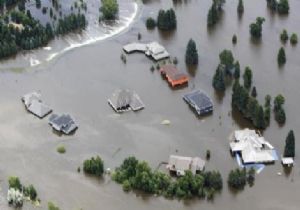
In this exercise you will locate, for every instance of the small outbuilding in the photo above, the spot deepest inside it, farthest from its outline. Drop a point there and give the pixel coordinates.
(125, 100)
(63, 123)
(34, 104)
(180, 164)
(287, 161)
(173, 75)
(199, 101)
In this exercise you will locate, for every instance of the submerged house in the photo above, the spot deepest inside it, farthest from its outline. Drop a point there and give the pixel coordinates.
(180, 164)
(173, 75)
(156, 51)
(63, 123)
(34, 104)
(153, 50)
(252, 147)
(199, 101)
(125, 100)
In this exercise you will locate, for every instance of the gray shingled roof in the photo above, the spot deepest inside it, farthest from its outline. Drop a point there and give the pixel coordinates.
(199, 101)
(63, 123)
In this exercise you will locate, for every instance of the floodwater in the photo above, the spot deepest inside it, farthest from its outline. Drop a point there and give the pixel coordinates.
(80, 81)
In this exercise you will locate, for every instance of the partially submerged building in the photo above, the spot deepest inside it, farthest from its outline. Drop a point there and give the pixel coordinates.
(199, 101)
(125, 100)
(180, 164)
(34, 104)
(63, 123)
(287, 161)
(173, 75)
(153, 50)
(252, 147)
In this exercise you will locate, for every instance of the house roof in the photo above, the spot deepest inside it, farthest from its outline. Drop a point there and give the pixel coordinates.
(63, 123)
(172, 72)
(39, 109)
(199, 101)
(181, 163)
(34, 104)
(253, 155)
(123, 100)
(133, 47)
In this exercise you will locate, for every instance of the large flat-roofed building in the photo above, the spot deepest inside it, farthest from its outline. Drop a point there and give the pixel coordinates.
(199, 101)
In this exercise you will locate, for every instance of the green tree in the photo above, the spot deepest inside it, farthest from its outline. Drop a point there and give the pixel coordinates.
(272, 4)
(191, 54)
(294, 39)
(150, 23)
(14, 182)
(259, 121)
(247, 76)
(166, 20)
(289, 149)
(109, 9)
(254, 92)
(251, 176)
(281, 58)
(52, 206)
(234, 39)
(278, 102)
(226, 59)
(240, 7)
(93, 166)
(256, 28)
(219, 80)
(237, 70)
(283, 6)
(237, 178)
(280, 116)
(284, 37)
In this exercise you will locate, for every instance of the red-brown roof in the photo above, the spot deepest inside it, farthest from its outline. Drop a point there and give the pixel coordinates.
(172, 72)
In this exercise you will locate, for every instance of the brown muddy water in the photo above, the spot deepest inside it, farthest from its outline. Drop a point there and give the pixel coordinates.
(80, 81)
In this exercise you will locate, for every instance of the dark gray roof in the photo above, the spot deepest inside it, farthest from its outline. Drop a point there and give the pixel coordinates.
(199, 101)
(63, 123)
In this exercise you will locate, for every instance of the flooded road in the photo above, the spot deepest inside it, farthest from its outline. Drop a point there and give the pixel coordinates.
(80, 81)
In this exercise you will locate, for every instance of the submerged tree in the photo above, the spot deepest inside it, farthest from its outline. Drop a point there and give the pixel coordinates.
(281, 58)
(289, 149)
(219, 79)
(284, 37)
(240, 7)
(256, 28)
(191, 54)
(283, 7)
(294, 39)
(247, 77)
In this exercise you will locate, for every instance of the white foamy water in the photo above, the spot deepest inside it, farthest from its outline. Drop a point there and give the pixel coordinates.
(94, 32)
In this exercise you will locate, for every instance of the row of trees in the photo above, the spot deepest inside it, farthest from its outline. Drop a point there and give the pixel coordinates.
(26, 33)
(284, 37)
(281, 6)
(137, 175)
(166, 20)
(249, 106)
(238, 178)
